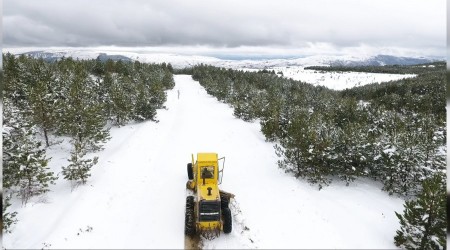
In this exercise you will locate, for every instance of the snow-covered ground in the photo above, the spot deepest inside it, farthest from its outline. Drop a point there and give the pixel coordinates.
(337, 80)
(136, 195)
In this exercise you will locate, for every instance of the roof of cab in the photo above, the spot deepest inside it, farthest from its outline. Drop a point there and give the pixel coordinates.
(206, 156)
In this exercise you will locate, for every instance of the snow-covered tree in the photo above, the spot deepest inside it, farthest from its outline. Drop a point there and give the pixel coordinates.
(10, 129)
(271, 116)
(83, 117)
(120, 99)
(303, 150)
(34, 175)
(423, 222)
(44, 103)
(157, 95)
(24, 160)
(78, 171)
(242, 111)
(8, 217)
(13, 87)
(167, 80)
(433, 144)
(144, 107)
(242, 98)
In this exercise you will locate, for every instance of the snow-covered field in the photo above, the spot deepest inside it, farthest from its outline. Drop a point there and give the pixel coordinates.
(337, 80)
(136, 195)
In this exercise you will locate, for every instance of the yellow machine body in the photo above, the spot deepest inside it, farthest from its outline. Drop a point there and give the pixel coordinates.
(207, 211)
(205, 185)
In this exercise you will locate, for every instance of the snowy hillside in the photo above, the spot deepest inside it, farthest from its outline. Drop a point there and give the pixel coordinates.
(189, 59)
(291, 68)
(136, 195)
(177, 60)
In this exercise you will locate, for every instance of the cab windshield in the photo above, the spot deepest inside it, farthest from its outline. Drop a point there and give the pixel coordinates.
(207, 172)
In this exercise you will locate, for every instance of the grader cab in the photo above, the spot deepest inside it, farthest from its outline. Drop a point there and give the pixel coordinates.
(207, 212)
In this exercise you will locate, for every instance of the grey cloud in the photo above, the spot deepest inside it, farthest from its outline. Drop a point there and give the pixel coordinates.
(231, 23)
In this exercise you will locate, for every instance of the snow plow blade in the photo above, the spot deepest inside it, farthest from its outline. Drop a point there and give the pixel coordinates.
(226, 194)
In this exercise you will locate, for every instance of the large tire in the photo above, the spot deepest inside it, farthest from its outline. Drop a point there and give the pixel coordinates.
(227, 224)
(189, 219)
(190, 171)
(224, 201)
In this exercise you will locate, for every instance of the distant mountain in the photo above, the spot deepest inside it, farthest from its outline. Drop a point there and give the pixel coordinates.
(181, 61)
(46, 56)
(105, 57)
(382, 60)
(53, 56)
(322, 60)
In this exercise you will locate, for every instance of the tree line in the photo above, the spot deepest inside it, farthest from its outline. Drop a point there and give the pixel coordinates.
(388, 69)
(78, 99)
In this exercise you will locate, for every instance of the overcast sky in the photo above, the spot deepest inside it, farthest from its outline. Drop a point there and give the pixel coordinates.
(279, 27)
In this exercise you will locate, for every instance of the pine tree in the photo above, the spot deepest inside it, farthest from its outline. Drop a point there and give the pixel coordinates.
(167, 80)
(43, 101)
(120, 105)
(242, 111)
(34, 175)
(98, 68)
(144, 108)
(423, 223)
(105, 88)
(303, 151)
(79, 168)
(25, 162)
(83, 117)
(270, 120)
(13, 87)
(10, 129)
(170, 68)
(157, 95)
(8, 218)
(433, 144)
(394, 154)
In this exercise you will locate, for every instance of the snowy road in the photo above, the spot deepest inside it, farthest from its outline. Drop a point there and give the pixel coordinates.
(136, 195)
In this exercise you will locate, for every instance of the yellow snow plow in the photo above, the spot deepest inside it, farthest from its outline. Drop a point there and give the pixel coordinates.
(207, 212)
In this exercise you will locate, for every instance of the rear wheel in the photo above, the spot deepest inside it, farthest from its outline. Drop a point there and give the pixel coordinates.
(189, 219)
(190, 171)
(227, 226)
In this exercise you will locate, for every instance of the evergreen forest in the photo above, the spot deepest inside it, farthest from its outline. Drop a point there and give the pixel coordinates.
(393, 132)
(75, 99)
